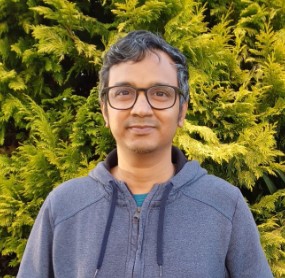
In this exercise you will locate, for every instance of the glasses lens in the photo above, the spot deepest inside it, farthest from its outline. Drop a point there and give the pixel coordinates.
(161, 97)
(122, 97)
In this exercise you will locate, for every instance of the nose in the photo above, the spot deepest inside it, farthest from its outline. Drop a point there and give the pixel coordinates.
(141, 108)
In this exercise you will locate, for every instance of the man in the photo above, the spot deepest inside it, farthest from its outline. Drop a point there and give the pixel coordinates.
(146, 211)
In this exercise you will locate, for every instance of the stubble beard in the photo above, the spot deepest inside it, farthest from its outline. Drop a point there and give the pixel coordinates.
(141, 148)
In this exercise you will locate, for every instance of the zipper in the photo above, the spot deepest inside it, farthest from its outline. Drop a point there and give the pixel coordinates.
(137, 215)
(136, 222)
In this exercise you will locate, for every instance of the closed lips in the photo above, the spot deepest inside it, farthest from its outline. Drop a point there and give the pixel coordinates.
(141, 129)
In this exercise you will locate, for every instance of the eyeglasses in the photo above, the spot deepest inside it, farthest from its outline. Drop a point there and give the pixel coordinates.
(124, 97)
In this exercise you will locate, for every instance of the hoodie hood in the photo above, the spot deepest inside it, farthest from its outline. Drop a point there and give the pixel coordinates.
(186, 173)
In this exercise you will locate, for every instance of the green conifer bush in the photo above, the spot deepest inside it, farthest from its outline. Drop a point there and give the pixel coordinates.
(51, 128)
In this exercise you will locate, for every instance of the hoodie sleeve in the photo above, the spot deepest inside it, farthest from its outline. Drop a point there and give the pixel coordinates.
(245, 256)
(37, 258)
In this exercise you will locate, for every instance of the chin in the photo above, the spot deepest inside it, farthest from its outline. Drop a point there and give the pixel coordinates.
(142, 149)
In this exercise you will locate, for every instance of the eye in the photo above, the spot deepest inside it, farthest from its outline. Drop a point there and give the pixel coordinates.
(123, 92)
(161, 93)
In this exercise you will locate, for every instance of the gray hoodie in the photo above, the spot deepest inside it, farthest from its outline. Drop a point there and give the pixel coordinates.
(194, 226)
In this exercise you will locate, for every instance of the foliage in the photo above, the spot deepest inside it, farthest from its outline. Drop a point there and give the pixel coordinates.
(51, 128)
(269, 215)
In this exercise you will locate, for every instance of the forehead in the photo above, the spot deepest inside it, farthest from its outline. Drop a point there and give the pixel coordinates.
(155, 68)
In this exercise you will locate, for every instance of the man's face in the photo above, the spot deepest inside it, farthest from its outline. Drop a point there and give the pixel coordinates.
(142, 129)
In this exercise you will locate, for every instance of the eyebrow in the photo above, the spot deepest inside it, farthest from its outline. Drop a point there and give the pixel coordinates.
(125, 83)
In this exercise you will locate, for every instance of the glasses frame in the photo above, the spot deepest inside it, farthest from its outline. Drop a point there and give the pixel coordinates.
(105, 92)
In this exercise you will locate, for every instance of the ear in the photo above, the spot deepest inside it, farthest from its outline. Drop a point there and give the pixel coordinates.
(104, 113)
(182, 114)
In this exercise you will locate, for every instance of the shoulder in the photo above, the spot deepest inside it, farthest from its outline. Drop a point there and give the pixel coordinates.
(215, 193)
(73, 196)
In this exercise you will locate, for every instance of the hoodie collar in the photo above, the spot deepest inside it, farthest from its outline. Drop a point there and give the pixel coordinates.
(177, 157)
(186, 173)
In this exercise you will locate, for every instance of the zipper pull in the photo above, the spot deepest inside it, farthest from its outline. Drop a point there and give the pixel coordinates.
(137, 213)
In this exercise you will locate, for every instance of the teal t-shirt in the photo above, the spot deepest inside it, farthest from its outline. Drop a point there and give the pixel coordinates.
(139, 198)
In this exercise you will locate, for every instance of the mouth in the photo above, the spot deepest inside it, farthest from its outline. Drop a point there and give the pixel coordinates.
(141, 129)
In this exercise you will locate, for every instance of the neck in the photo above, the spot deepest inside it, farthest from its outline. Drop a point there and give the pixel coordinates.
(142, 171)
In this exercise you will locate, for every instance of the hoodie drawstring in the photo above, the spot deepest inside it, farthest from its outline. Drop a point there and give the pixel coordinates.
(107, 228)
(159, 246)
(159, 250)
